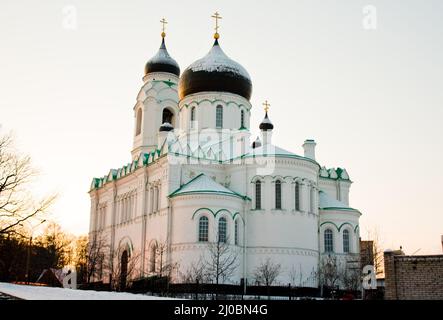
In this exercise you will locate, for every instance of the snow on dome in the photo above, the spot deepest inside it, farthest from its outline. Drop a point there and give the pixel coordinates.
(217, 61)
(162, 62)
(166, 126)
(215, 72)
(266, 124)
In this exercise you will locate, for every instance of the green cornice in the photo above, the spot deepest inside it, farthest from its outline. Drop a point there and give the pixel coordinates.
(340, 209)
(214, 214)
(336, 179)
(341, 226)
(187, 105)
(145, 159)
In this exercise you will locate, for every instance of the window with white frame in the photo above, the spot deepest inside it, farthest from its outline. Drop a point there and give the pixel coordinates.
(297, 196)
(242, 119)
(192, 117)
(222, 230)
(278, 194)
(157, 198)
(219, 117)
(152, 258)
(139, 122)
(258, 195)
(203, 228)
(346, 241)
(151, 205)
(312, 198)
(329, 240)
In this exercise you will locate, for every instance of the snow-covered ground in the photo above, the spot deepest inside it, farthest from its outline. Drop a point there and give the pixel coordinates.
(47, 293)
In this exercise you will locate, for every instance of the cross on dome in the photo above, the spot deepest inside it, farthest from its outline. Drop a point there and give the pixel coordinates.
(216, 16)
(267, 105)
(163, 22)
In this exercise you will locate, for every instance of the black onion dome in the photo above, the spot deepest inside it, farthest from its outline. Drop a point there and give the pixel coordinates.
(166, 127)
(215, 72)
(256, 143)
(162, 62)
(266, 124)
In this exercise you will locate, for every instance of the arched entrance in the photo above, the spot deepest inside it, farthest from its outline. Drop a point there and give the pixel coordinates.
(123, 270)
(168, 116)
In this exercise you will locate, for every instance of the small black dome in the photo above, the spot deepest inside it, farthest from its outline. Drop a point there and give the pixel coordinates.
(256, 143)
(215, 72)
(166, 127)
(266, 124)
(162, 62)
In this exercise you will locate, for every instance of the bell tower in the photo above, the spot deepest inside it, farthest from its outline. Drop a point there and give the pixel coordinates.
(157, 101)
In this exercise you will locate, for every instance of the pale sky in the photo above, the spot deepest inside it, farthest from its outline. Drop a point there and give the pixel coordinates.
(372, 99)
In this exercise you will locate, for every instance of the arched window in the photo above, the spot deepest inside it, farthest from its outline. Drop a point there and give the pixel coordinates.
(157, 198)
(258, 195)
(278, 194)
(203, 227)
(123, 269)
(346, 241)
(151, 205)
(138, 126)
(152, 257)
(222, 230)
(219, 117)
(192, 117)
(242, 119)
(167, 116)
(236, 235)
(312, 202)
(329, 242)
(297, 196)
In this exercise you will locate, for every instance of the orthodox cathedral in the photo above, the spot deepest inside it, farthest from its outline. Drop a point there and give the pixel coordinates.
(197, 178)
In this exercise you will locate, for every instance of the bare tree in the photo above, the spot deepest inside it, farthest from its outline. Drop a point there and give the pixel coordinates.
(350, 274)
(221, 261)
(373, 252)
(122, 275)
(267, 272)
(98, 257)
(194, 273)
(162, 266)
(328, 272)
(296, 276)
(16, 203)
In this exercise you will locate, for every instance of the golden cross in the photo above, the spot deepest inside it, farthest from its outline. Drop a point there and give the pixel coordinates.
(216, 16)
(163, 22)
(267, 105)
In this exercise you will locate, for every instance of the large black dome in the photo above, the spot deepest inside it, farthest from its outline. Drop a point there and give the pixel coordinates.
(162, 62)
(215, 72)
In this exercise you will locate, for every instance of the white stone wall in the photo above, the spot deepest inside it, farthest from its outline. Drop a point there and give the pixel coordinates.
(187, 210)
(337, 221)
(153, 98)
(205, 106)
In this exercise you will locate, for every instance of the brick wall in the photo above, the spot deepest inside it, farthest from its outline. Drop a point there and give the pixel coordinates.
(413, 277)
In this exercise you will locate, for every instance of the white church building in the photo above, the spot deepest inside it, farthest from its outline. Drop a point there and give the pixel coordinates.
(197, 177)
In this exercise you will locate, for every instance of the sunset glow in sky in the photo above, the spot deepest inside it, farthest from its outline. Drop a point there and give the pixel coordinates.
(372, 99)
